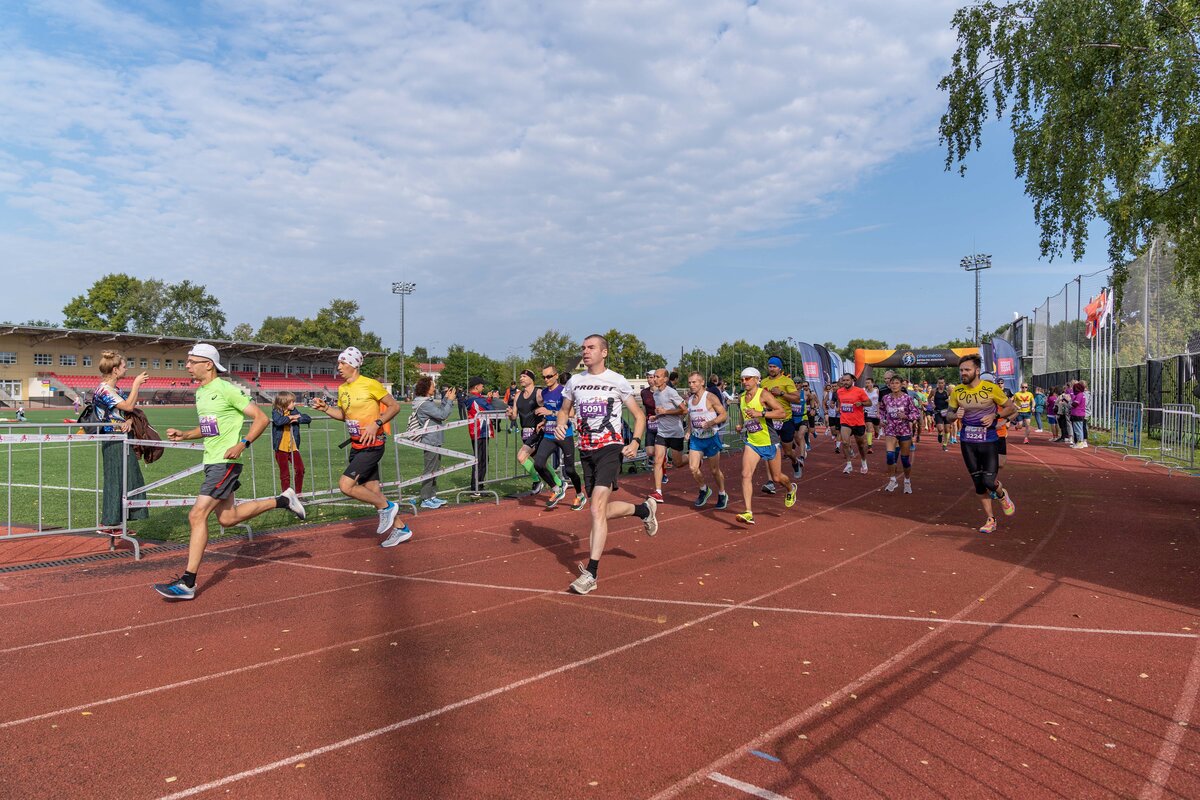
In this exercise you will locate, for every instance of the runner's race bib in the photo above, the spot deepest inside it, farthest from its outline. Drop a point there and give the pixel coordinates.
(209, 427)
(353, 428)
(797, 410)
(974, 433)
(895, 413)
(527, 433)
(847, 408)
(777, 424)
(698, 420)
(652, 424)
(752, 426)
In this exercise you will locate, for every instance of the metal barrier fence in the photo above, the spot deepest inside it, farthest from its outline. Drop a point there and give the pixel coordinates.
(1177, 447)
(1126, 434)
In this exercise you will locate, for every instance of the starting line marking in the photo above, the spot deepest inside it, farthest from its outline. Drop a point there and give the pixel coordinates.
(748, 788)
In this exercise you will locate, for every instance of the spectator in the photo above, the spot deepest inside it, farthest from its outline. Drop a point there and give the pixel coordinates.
(479, 430)
(1039, 407)
(20, 413)
(510, 404)
(1079, 414)
(1064, 413)
(463, 400)
(426, 413)
(110, 408)
(1052, 413)
(285, 440)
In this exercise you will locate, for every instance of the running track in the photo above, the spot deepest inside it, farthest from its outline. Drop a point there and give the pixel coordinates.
(858, 645)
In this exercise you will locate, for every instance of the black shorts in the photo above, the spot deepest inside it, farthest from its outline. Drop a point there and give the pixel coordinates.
(786, 431)
(364, 464)
(855, 430)
(1002, 445)
(834, 423)
(600, 467)
(220, 480)
(941, 416)
(651, 437)
(531, 439)
(874, 421)
(671, 442)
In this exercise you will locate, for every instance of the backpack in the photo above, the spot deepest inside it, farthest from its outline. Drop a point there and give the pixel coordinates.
(414, 425)
(140, 428)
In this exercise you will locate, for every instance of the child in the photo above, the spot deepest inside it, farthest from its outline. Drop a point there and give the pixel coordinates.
(285, 439)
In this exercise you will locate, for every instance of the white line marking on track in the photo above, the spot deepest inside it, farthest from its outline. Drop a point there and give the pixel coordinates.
(1164, 762)
(855, 685)
(748, 788)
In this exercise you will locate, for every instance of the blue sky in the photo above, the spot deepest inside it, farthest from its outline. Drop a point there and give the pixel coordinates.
(693, 171)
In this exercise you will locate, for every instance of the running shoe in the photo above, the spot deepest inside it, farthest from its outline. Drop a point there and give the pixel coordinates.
(559, 493)
(945, 447)
(1026, 441)
(666, 480)
(722, 502)
(293, 503)
(863, 469)
(790, 499)
(176, 590)
(870, 449)
(849, 469)
(768, 487)
(837, 448)
(430, 504)
(891, 484)
(746, 517)
(656, 496)
(537, 487)
(584, 583)
(703, 496)
(1007, 504)
(798, 472)
(387, 517)
(579, 503)
(989, 526)
(397, 536)
(651, 522)
(907, 486)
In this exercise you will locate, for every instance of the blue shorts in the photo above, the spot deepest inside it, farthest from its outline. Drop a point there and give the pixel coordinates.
(708, 446)
(1024, 417)
(767, 453)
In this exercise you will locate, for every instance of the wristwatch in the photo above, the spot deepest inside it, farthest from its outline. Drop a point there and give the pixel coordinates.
(636, 439)
(245, 441)
(379, 423)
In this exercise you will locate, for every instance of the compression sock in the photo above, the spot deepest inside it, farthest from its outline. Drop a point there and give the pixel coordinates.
(527, 465)
(592, 566)
(940, 435)
(641, 511)
(870, 438)
(189, 580)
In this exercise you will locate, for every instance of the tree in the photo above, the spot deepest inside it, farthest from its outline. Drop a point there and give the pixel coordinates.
(732, 358)
(189, 311)
(242, 332)
(628, 355)
(109, 305)
(865, 344)
(459, 360)
(278, 330)
(556, 348)
(1103, 99)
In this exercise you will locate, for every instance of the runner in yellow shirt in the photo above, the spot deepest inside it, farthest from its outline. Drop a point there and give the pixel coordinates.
(759, 408)
(1024, 403)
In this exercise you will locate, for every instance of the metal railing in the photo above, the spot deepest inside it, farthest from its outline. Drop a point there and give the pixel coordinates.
(1126, 434)
(1177, 445)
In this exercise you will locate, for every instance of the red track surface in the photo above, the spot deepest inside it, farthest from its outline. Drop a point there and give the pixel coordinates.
(858, 645)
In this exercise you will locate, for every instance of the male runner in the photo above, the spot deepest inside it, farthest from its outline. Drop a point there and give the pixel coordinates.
(669, 411)
(900, 417)
(784, 390)
(759, 407)
(833, 424)
(220, 407)
(978, 405)
(941, 413)
(1024, 403)
(527, 410)
(852, 402)
(706, 414)
(552, 400)
(873, 429)
(596, 396)
(800, 423)
(366, 408)
(647, 395)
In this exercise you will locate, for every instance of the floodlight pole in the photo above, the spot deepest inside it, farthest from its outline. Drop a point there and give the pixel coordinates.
(402, 288)
(976, 263)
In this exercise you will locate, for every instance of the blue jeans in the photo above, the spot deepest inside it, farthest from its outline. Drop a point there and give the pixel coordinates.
(1077, 428)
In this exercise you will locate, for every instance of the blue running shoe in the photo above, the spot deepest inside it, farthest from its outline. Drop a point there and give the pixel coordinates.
(176, 590)
(722, 501)
(702, 498)
(397, 536)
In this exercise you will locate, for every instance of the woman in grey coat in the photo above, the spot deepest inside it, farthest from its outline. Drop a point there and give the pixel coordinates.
(427, 413)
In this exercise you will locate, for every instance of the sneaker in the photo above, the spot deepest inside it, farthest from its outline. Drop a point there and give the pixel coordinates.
(537, 487)
(293, 503)
(863, 468)
(656, 496)
(651, 522)
(1026, 441)
(1007, 504)
(746, 517)
(1083, 445)
(907, 487)
(666, 480)
(722, 502)
(837, 448)
(703, 496)
(387, 517)
(175, 590)
(430, 504)
(579, 503)
(870, 449)
(891, 484)
(798, 472)
(945, 447)
(441, 501)
(397, 536)
(558, 494)
(989, 526)
(849, 468)
(584, 583)
(790, 499)
(768, 487)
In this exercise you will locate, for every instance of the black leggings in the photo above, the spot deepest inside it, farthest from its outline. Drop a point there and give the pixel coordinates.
(983, 462)
(567, 450)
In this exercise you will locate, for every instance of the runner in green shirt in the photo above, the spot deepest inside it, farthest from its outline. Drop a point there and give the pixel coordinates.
(220, 407)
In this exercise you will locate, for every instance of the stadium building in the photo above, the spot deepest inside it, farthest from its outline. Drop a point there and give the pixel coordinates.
(57, 366)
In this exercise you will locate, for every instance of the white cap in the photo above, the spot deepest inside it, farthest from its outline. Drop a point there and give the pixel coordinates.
(209, 352)
(751, 372)
(352, 356)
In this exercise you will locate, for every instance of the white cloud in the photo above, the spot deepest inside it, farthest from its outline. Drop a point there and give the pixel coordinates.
(473, 144)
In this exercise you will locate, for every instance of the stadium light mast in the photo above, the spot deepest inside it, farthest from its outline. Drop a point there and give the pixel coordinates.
(402, 288)
(976, 262)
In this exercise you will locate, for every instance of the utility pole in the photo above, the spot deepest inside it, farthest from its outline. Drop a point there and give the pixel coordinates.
(404, 289)
(976, 263)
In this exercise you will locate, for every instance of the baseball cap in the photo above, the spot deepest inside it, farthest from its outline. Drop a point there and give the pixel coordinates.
(775, 361)
(751, 372)
(209, 352)
(352, 356)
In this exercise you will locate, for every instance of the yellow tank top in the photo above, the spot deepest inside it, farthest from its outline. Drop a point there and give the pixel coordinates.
(755, 429)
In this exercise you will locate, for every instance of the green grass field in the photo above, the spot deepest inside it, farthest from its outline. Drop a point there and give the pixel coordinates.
(68, 492)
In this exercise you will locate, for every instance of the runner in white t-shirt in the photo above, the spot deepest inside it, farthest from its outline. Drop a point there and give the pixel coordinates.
(596, 397)
(669, 412)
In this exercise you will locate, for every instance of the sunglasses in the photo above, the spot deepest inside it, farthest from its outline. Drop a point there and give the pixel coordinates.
(551, 375)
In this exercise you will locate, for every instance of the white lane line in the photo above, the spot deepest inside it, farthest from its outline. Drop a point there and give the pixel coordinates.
(1164, 762)
(855, 685)
(362, 737)
(252, 667)
(748, 788)
(171, 620)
